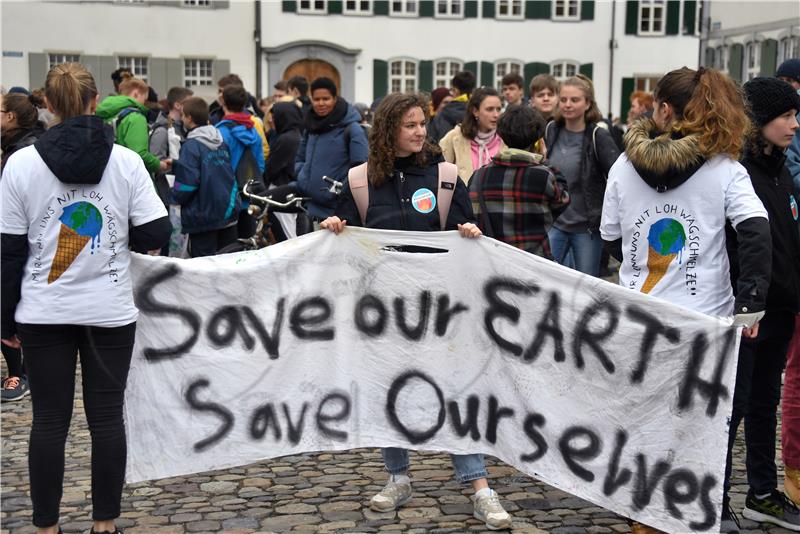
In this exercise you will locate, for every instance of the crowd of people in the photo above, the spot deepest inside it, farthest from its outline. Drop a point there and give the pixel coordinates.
(545, 173)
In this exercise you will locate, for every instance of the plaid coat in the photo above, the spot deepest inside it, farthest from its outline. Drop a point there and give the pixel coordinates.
(516, 199)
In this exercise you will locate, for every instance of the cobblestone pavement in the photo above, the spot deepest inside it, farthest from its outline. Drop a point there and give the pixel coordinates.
(306, 493)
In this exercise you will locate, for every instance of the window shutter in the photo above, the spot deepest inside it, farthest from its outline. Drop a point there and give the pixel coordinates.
(289, 6)
(487, 74)
(220, 68)
(537, 9)
(673, 17)
(587, 69)
(769, 57)
(380, 78)
(625, 105)
(426, 76)
(334, 7)
(427, 8)
(489, 7)
(471, 9)
(472, 66)
(709, 57)
(689, 17)
(631, 17)
(587, 10)
(380, 7)
(530, 70)
(735, 61)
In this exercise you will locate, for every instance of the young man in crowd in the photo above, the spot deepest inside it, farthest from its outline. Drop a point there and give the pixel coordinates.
(544, 95)
(298, 88)
(453, 113)
(205, 184)
(512, 86)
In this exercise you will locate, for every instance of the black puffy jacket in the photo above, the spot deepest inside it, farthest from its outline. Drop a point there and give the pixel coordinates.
(391, 207)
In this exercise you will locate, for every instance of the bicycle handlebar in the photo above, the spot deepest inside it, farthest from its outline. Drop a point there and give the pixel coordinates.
(292, 201)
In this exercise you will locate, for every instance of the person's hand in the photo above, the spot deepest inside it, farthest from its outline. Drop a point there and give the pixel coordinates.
(751, 332)
(334, 224)
(165, 165)
(469, 230)
(12, 342)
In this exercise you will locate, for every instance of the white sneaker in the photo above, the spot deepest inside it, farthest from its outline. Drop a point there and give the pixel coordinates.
(487, 508)
(392, 496)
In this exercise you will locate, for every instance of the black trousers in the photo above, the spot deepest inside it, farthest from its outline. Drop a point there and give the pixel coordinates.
(13, 359)
(209, 243)
(51, 353)
(756, 398)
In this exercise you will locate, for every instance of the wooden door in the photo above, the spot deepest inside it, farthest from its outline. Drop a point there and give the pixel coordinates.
(312, 69)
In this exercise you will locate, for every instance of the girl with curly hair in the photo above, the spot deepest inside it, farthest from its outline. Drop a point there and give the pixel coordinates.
(667, 203)
(403, 166)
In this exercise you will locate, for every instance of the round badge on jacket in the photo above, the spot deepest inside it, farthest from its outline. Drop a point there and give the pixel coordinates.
(793, 206)
(423, 200)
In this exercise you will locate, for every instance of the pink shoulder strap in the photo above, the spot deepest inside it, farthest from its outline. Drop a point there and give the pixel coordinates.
(448, 176)
(357, 179)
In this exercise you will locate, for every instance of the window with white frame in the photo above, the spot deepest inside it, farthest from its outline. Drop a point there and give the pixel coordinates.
(452, 9)
(510, 10)
(137, 65)
(312, 7)
(357, 7)
(197, 72)
(651, 17)
(58, 59)
(404, 8)
(566, 10)
(646, 83)
(751, 63)
(197, 3)
(721, 58)
(501, 68)
(443, 72)
(403, 75)
(561, 70)
(788, 48)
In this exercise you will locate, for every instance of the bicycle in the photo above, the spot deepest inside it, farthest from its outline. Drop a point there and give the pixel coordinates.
(259, 208)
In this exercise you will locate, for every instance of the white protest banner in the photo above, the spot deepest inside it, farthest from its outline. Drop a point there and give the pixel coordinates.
(437, 342)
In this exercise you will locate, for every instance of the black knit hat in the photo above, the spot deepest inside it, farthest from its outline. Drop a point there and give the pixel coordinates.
(769, 98)
(789, 69)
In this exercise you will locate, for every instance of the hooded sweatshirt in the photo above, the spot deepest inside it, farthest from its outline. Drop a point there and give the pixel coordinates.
(669, 206)
(132, 131)
(67, 204)
(205, 185)
(288, 121)
(241, 135)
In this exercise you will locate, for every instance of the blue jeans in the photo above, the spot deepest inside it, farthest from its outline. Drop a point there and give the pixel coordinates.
(467, 466)
(577, 250)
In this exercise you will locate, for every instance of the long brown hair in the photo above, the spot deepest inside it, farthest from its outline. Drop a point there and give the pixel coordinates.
(584, 83)
(69, 89)
(708, 105)
(130, 84)
(383, 135)
(469, 126)
(24, 107)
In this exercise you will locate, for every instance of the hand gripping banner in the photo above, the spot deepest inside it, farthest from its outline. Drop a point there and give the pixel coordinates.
(432, 341)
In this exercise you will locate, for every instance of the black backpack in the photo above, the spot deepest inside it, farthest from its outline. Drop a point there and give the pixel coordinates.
(247, 169)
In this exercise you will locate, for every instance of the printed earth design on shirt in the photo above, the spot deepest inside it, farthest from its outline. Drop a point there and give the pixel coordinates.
(666, 239)
(81, 222)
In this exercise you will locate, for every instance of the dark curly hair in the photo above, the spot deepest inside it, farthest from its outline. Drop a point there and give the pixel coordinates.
(383, 135)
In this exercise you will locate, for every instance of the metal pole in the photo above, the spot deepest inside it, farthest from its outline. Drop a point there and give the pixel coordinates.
(611, 45)
(257, 39)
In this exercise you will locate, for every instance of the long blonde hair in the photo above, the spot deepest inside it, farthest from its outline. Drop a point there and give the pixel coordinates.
(69, 89)
(584, 83)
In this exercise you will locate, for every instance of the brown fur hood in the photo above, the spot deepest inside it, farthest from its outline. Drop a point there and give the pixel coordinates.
(663, 160)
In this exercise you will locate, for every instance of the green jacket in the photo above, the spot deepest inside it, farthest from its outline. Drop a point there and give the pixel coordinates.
(132, 132)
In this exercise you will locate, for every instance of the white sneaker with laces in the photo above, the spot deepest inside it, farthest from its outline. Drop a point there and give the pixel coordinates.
(487, 508)
(392, 496)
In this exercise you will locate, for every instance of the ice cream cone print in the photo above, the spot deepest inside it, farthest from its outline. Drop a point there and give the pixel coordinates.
(70, 244)
(656, 268)
(81, 223)
(666, 239)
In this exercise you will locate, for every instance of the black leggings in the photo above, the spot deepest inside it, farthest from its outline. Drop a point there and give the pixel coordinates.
(13, 359)
(50, 358)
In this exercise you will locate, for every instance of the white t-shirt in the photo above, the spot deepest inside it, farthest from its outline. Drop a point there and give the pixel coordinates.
(78, 258)
(673, 243)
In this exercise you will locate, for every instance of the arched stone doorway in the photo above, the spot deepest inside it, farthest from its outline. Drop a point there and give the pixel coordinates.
(342, 60)
(312, 69)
